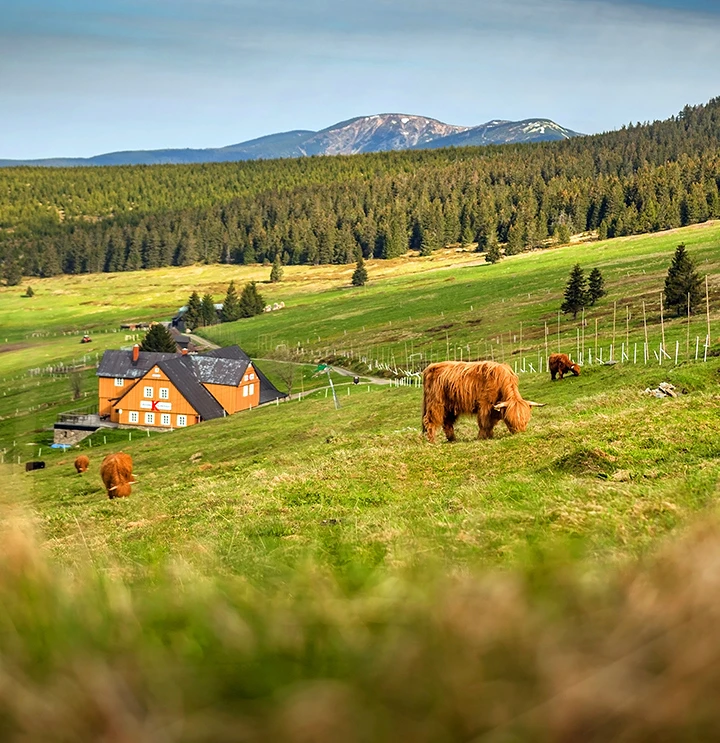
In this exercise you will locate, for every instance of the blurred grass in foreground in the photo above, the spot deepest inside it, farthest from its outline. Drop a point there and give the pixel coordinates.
(542, 653)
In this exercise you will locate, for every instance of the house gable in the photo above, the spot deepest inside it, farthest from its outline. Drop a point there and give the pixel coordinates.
(155, 401)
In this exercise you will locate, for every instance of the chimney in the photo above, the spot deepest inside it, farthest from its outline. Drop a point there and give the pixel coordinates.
(184, 352)
(136, 353)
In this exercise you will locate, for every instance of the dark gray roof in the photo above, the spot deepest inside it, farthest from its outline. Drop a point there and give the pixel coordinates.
(229, 352)
(213, 370)
(181, 373)
(119, 364)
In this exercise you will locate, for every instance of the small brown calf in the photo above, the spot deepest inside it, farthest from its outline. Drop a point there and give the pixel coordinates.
(81, 464)
(561, 363)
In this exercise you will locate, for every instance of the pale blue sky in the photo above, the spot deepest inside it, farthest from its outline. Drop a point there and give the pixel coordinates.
(81, 77)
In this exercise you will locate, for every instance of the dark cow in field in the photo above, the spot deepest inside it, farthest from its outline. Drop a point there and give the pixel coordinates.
(116, 473)
(561, 363)
(81, 464)
(485, 389)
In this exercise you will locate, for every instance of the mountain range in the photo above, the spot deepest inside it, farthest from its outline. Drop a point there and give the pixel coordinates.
(377, 133)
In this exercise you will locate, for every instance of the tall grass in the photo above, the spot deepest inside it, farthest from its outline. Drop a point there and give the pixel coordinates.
(549, 652)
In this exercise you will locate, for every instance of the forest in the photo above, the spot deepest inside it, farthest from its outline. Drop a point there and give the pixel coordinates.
(641, 178)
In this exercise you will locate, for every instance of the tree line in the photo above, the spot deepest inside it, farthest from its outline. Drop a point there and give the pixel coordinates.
(202, 312)
(641, 178)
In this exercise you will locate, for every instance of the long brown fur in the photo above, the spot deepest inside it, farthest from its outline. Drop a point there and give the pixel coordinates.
(116, 474)
(561, 363)
(81, 464)
(455, 388)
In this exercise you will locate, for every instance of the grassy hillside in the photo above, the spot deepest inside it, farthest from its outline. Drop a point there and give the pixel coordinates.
(300, 573)
(483, 307)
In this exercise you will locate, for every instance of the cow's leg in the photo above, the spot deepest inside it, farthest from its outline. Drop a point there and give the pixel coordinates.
(429, 426)
(553, 373)
(449, 425)
(560, 373)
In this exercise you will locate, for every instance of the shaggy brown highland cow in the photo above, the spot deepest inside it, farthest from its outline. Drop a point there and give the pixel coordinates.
(561, 363)
(81, 464)
(483, 388)
(116, 473)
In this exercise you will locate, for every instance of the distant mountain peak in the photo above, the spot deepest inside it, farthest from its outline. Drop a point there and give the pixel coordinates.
(374, 133)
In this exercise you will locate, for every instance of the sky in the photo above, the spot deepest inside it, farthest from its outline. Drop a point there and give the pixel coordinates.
(83, 77)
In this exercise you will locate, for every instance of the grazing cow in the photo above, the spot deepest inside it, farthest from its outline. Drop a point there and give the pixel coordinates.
(561, 363)
(81, 464)
(116, 473)
(483, 388)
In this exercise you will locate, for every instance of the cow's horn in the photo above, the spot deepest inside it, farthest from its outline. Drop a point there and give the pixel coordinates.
(114, 487)
(535, 404)
(501, 405)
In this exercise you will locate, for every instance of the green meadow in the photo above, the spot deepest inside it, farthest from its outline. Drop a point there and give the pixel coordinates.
(305, 573)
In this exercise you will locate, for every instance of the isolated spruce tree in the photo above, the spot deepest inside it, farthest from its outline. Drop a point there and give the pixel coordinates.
(251, 302)
(575, 292)
(193, 316)
(277, 270)
(231, 305)
(29, 292)
(207, 310)
(360, 275)
(682, 280)
(493, 252)
(596, 286)
(158, 339)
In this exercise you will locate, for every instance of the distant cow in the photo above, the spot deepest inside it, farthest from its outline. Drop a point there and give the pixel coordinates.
(30, 466)
(561, 363)
(81, 464)
(483, 388)
(116, 473)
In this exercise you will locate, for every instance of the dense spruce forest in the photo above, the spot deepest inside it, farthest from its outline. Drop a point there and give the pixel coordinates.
(331, 209)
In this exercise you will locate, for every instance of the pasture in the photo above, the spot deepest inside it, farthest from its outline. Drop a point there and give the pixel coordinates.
(302, 573)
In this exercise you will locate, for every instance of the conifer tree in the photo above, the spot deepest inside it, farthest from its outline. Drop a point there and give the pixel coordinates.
(596, 286)
(207, 310)
(251, 302)
(193, 316)
(231, 305)
(12, 273)
(575, 292)
(360, 275)
(276, 273)
(493, 253)
(29, 292)
(682, 280)
(158, 339)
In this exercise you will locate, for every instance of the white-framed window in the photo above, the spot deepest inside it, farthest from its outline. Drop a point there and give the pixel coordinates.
(149, 419)
(182, 421)
(251, 376)
(245, 389)
(164, 393)
(245, 378)
(165, 419)
(148, 392)
(133, 416)
(119, 382)
(251, 389)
